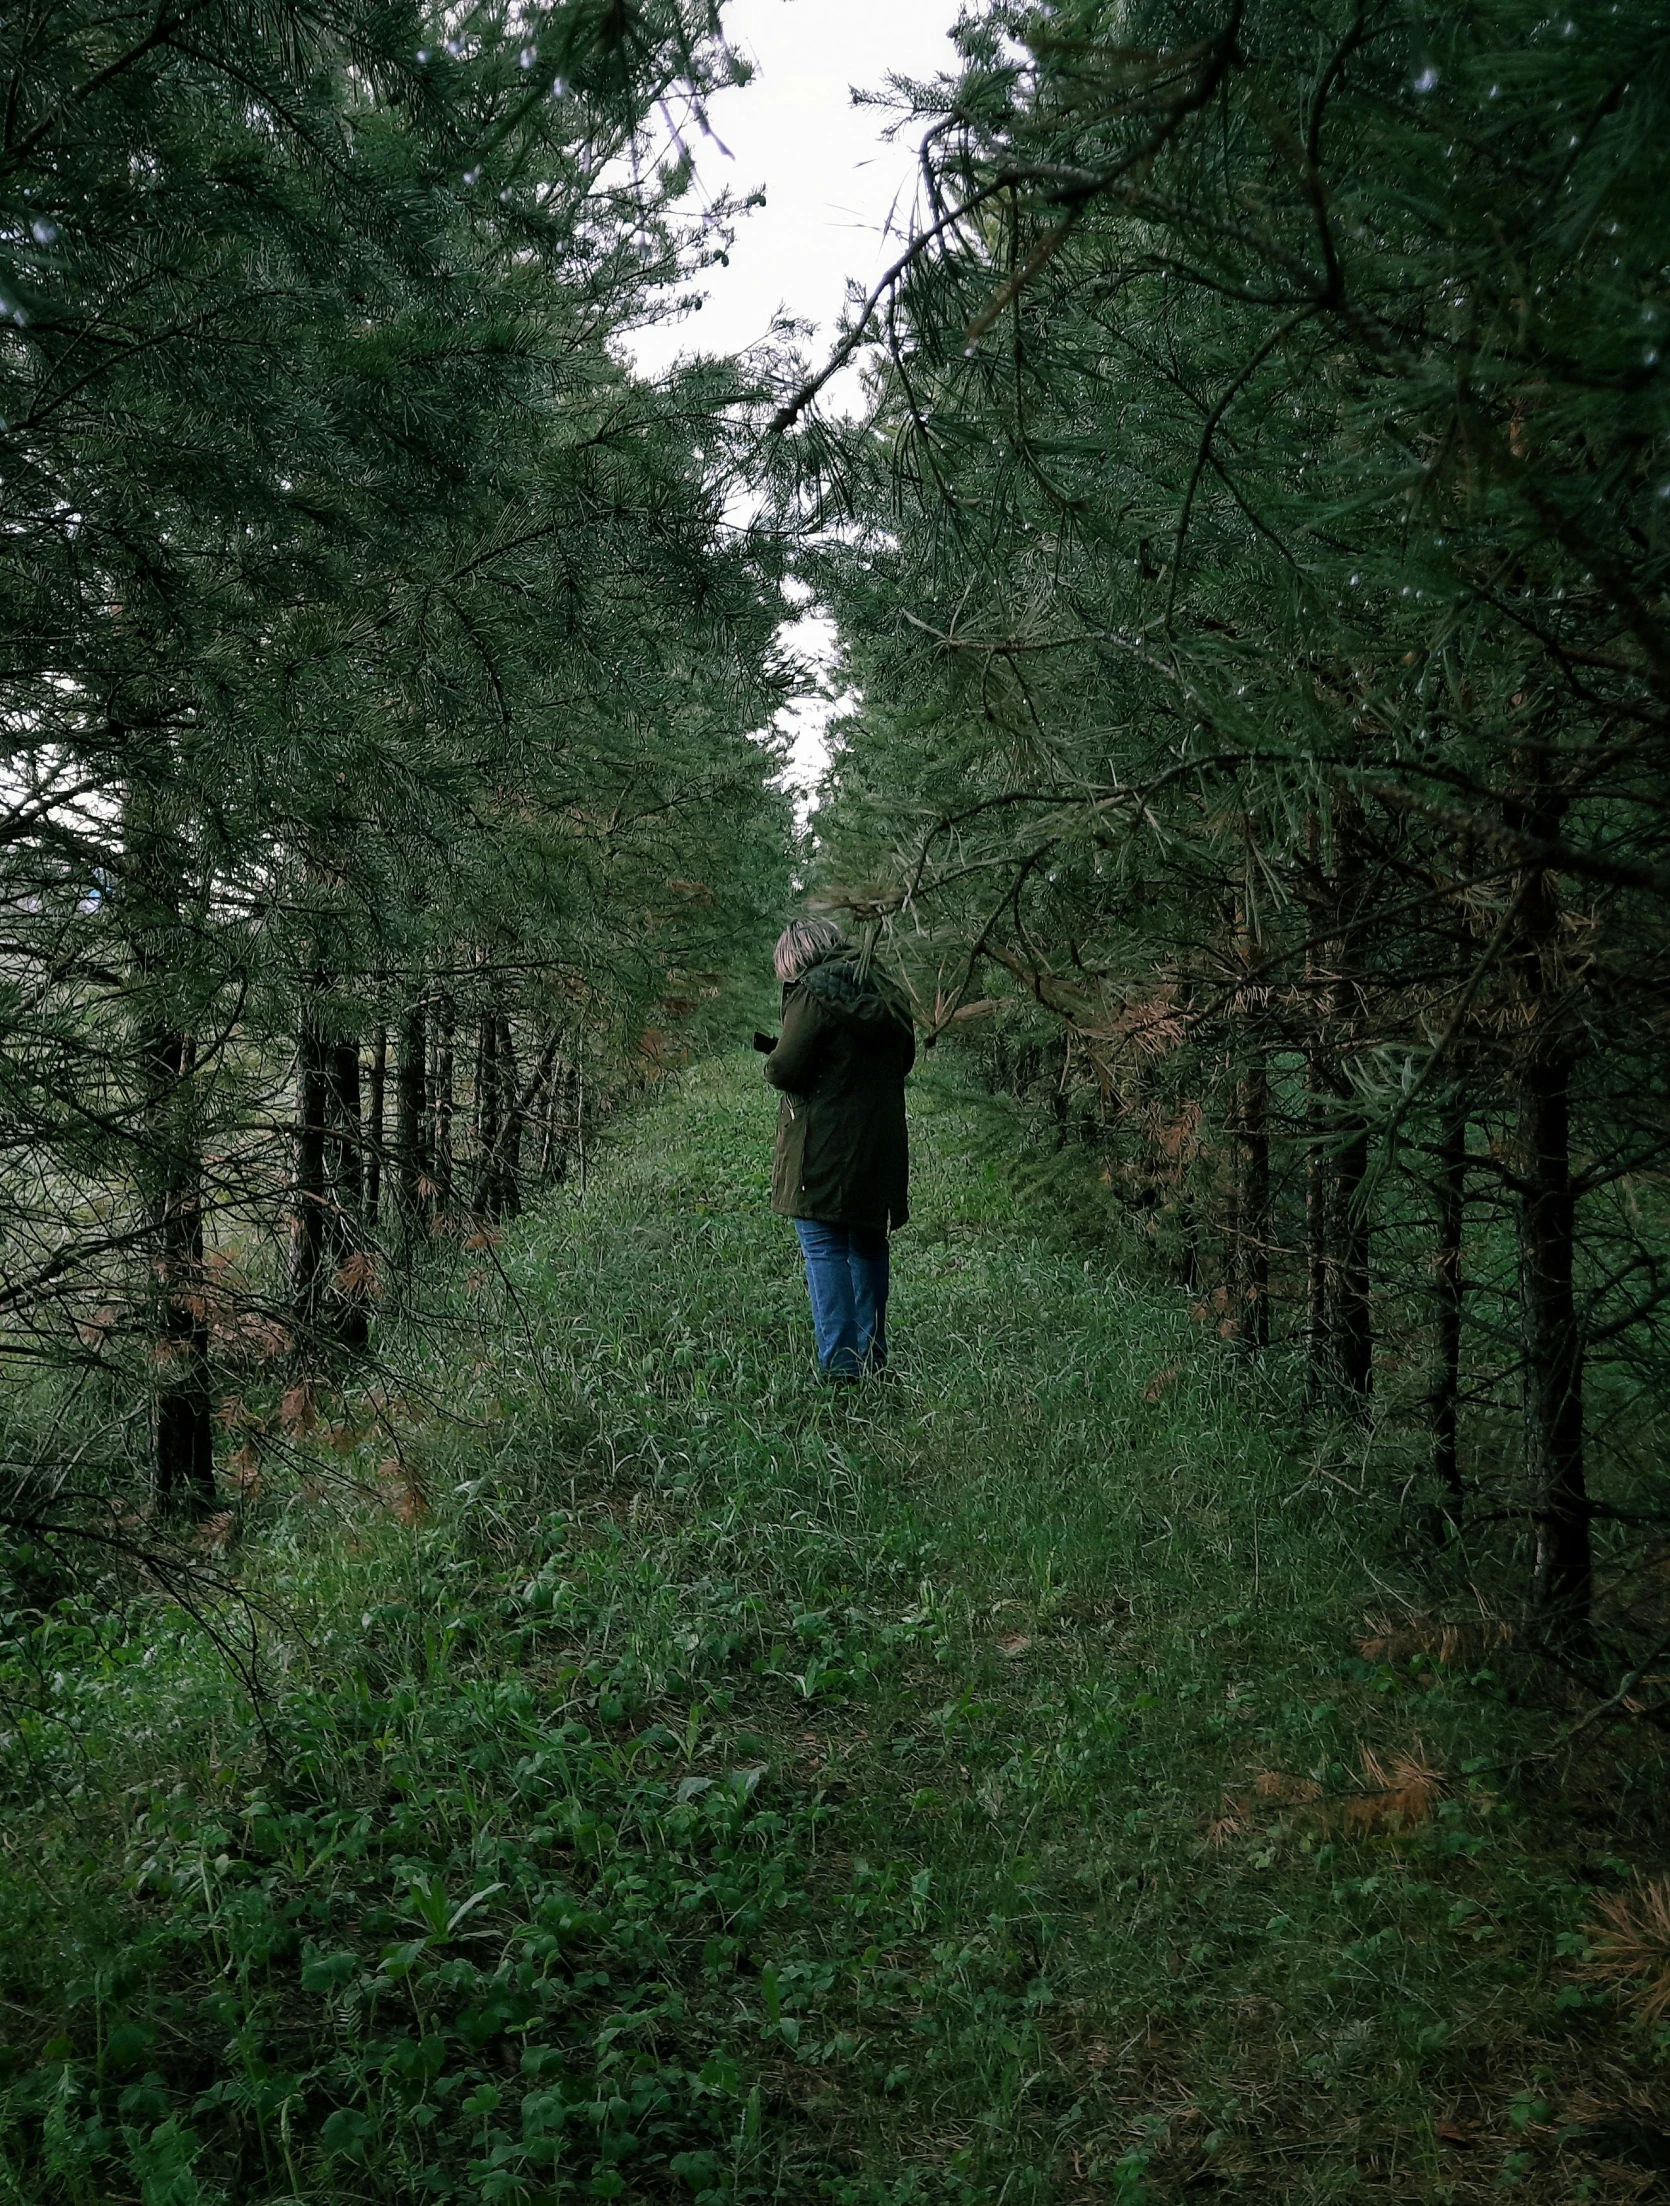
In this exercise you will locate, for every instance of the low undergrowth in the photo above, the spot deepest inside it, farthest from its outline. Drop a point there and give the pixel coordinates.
(1058, 1775)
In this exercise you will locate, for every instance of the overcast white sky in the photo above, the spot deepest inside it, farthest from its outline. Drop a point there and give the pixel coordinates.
(831, 187)
(830, 181)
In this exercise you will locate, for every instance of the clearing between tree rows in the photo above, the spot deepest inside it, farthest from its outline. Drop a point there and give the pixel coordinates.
(1050, 1777)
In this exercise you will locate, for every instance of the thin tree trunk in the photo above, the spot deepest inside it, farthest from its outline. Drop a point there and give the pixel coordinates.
(1563, 1581)
(492, 1170)
(183, 1437)
(548, 1123)
(1449, 1288)
(1319, 1320)
(1563, 1578)
(443, 1106)
(411, 1111)
(1319, 999)
(1350, 1322)
(1229, 1276)
(478, 1081)
(348, 1301)
(374, 1128)
(1058, 1101)
(1254, 1204)
(347, 1131)
(168, 1165)
(1250, 1238)
(580, 1107)
(1188, 1250)
(310, 1237)
(508, 1191)
(1353, 1326)
(486, 1112)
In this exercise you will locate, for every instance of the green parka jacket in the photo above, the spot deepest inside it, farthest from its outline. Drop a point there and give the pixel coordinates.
(841, 1060)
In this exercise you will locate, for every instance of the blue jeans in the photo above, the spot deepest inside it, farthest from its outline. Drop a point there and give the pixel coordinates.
(846, 1271)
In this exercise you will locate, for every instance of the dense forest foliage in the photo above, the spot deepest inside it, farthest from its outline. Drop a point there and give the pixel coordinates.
(476, 1720)
(383, 687)
(1255, 599)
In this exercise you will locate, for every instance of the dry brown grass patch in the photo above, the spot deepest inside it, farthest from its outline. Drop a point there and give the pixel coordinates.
(403, 1491)
(1630, 1948)
(1389, 1641)
(1398, 1794)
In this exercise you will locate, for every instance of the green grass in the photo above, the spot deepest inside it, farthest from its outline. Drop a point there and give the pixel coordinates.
(960, 1790)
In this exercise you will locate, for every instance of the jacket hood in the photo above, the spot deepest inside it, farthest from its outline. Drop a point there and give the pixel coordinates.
(866, 998)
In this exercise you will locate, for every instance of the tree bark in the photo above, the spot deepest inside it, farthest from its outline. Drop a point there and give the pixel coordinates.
(492, 1167)
(1563, 1577)
(183, 1434)
(1449, 1287)
(310, 1229)
(1553, 1392)
(1319, 1316)
(1188, 1246)
(445, 1021)
(374, 1128)
(1250, 1247)
(411, 1101)
(1253, 1104)
(549, 1164)
(486, 1112)
(1353, 1323)
(508, 1194)
(168, 1161)
(347, 1132)
(1343, 1319)
(348, 1292)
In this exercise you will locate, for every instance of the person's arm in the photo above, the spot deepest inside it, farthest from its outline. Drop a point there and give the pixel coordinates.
(910, 1048)
(793, 1064)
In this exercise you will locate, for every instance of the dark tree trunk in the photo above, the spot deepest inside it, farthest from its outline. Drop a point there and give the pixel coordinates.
(168, 1162)
(1319, 1316)
(310, 1236)
(495, 1181)
(348, 1305)
(1249, 1253)
(486, 1113)
(411, 1104)
(374, 1128)
(550, 1166)
(1253, 1104)
(1353, 1327)
(1188, 1247)
(1341, 1315)
(445, 1023)
(508, 1192)
(1448, 1290)
(183, 1438)
(347, 1133)
(1229, 1268)
(1320, 1003)
(1563, 1581)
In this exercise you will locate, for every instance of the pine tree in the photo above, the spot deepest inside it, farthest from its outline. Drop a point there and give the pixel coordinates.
(372, 638)
(1255, 608)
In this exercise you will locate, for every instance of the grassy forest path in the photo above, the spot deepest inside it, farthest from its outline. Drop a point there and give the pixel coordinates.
(973, 1788)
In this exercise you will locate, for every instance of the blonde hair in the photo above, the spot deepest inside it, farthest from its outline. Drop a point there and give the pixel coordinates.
(801, 943)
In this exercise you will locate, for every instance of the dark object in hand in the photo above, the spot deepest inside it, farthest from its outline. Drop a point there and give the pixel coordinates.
(764, 1043)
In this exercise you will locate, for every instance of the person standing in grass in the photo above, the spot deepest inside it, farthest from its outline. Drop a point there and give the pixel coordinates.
(843, 1163)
